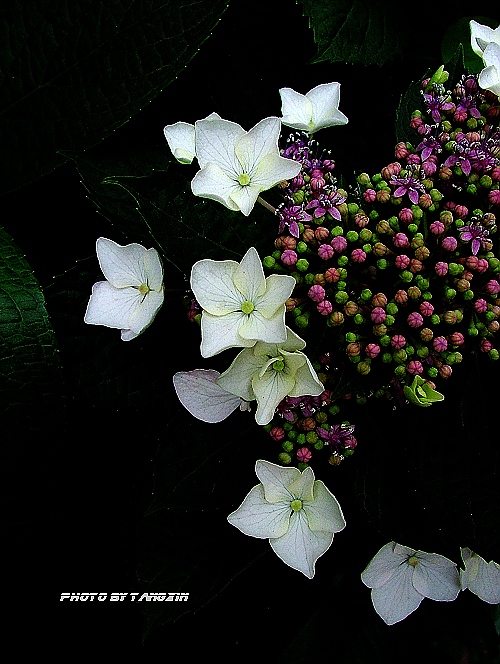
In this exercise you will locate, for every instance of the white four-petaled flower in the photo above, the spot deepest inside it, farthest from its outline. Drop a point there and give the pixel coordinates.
(237, 165)
(485, 42)
(317, 109)
(297, 513)
(133, 291)
(400, 578)
(480, 577)
(240, 305)
(269, 372)
(203, 398)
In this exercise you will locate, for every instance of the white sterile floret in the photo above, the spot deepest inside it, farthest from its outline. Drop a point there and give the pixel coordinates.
(270, 372)
(400, 578)
(480, 577)
(297, 513)
(317, 109)
(203, 398)
(485, 42)
(236, 165)
(133, 291)
(240, 305)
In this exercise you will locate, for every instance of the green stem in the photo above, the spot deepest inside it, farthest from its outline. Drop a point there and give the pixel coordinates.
(266, 204)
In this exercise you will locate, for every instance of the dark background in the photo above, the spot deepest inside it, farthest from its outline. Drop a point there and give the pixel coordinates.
(75, 500)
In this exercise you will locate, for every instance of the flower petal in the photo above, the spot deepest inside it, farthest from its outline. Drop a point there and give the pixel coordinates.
(249, 276)
(277, 290)
(269, 390)
(325, 104)
(244, 198)
(203, 397)
(258, 518)
(382, 566)
(303, 487)
(300, 547)
(238, 378)
(212, 283)
(145, 312)
(122, 266)
(481, 36)
(212, 182)
(154, 270)
(180, 139)
(324, 512)
(268, 330)
(256, 144)
(396, 598)
(489, 78)
(273, 169)
(480, 577)
(112, 307)
(277, 480)
(436, 577)
(296, 109)
(306, 380)
(218, 333)
(215, 141)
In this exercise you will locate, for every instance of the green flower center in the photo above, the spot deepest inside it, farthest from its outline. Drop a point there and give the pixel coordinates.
(244, 179)
(279, 365)
(144, 289)
(413, 561)
(296, 505)
(247, 307)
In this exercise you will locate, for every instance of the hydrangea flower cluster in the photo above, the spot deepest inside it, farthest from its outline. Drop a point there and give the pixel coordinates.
(401, 270)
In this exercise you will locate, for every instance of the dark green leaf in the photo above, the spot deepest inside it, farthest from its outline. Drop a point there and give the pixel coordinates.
(365, 31)
(74, 71)
(30, 376)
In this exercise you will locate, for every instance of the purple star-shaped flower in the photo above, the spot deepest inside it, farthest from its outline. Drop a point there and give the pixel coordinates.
(290, 215)
(475, 232)
(408, 184)
(339, 436)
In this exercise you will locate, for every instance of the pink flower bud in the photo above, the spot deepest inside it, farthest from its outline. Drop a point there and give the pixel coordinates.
(445, 371)
(372, 350)
(482, 265)
(440, 344)
(332, 275)
(437, 228)
(494, 196)
(378, 315)
(369, 195)
(400, 240)
(456, 339)
(406, 215)
(285, 242)
(480, 306)
(325, 307)
(289, 257)
(358, 256)
(415, 265)
(353, 349)
(441, 269)
(398, 341)
(402, 261)
(414, 367)
(391, 169)
(321, 233)
(415, 319)
(449, 243)
(401, 151)
(485, 345)
(461, 211)
(325, 252)
(426, 309)
(401, 297)
(339, 243)
(492, 287)
(277, 433)
(317, 293)
(304, 454)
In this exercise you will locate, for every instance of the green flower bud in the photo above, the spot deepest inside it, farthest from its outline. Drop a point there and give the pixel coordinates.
(421, 393)
(298, 196)
(285, 458)
(352, 236)
(287, 446)
(302, 265)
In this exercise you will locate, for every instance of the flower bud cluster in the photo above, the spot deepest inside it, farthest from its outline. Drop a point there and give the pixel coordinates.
(403, 274)
(303, 427)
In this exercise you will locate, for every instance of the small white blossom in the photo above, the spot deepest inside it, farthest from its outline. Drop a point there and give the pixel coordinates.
(297, 513)
(203, 398)
(400, 578)
(317, 109)
(270, 372)
(485, 42)
(236, 165)
(480, 577)
(240, 305)
(133, 291)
